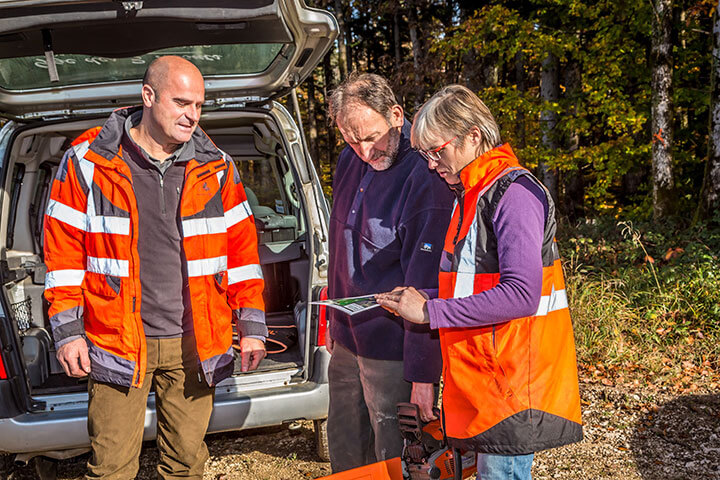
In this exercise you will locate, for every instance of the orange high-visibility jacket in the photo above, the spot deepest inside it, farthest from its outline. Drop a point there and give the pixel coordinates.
(91, 253)
(509, 388)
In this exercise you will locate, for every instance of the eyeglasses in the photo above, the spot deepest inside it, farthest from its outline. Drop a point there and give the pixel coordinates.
(434, 155)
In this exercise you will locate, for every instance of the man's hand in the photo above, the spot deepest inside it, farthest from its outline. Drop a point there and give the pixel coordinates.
(74, 358)
(329, 342)
(423, 395)
(405, 302)
(252, 350)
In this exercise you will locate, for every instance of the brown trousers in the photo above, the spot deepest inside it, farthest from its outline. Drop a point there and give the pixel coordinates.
(116, 416)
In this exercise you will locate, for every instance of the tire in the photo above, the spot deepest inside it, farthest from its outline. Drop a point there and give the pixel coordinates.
(321, 439)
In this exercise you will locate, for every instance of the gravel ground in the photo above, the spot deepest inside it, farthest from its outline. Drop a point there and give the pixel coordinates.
(631, 432)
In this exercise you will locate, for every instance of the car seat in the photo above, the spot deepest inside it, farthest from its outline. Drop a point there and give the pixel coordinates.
(271, 226)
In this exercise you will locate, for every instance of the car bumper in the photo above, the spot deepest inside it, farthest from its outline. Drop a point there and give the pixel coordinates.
(65, 427)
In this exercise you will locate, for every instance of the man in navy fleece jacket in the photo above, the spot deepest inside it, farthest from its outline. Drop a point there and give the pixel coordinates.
(387, 226)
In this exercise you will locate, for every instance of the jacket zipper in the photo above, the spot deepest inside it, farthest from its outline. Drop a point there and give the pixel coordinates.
(187, 186)
(460, 198)
(460, 194)
(138, 330)
(162, 194)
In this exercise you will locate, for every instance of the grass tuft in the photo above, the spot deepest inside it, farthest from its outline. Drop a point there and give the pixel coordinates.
(645, 295)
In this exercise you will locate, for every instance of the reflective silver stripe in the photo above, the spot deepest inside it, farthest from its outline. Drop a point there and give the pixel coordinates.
(466, 269)
(87, 168)
(65, 214)
(464, 283)
(81, 149)
(455, 207)
(557, 300)
(108, 266)
(203, 226)
(64, 278)
(98, 223)
(466, 263)
(206, 266)
(105, 224)
(246, 272)
(220, 175)
(237, 214)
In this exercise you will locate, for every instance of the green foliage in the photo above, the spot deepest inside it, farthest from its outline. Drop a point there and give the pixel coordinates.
(610, 109)
(497, 48)
(643, 292)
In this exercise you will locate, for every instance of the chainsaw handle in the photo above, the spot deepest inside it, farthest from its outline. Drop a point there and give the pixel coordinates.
(457, 464)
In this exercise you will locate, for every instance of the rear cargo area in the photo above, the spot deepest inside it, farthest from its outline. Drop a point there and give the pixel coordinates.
(254, 142)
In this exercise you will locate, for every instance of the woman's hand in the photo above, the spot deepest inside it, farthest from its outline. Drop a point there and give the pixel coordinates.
(406, 302)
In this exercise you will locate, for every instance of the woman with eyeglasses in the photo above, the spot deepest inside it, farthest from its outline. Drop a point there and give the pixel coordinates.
(509, 368)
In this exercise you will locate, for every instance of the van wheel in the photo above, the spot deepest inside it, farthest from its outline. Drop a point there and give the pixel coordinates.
(321, 439)
(46, 468)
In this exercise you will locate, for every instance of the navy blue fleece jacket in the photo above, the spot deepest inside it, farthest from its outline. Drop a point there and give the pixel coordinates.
(386, 230)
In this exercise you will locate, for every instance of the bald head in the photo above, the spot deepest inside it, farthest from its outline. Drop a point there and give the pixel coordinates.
(173, 93)
(163, 69)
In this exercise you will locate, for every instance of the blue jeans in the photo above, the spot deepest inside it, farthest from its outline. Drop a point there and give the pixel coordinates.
(504, 467)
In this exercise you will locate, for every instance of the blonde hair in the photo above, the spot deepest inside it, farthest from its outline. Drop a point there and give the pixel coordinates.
(453, 111)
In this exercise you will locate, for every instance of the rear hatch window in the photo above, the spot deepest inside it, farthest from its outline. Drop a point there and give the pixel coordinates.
(31, 72)
(58, 57)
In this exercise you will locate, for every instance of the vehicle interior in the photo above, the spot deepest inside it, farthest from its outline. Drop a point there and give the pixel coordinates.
(255, 143)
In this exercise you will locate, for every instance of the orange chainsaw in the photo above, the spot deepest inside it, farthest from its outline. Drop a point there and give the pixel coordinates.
(425, 456)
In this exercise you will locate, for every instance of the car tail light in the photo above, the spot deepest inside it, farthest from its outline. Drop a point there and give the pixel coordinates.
(322, 318)
(3, 373)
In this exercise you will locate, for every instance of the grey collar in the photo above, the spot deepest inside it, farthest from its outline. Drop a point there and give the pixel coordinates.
(184, 153)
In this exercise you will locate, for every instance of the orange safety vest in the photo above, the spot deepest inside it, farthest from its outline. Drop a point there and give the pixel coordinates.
(93, 282)
(509, 388)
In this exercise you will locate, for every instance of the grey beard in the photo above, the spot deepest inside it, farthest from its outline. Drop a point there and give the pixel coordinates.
(386, 161)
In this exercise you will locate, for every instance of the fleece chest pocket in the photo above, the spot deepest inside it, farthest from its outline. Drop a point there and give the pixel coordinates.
(376, 234)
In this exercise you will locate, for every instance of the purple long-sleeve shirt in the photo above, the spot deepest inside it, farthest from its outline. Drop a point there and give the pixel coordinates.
(518, 223)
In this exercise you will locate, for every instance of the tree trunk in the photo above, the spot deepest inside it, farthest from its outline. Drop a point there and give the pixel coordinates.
(710, 195)
(574, 194)
(491, 71)
(329, 85)
(396, 38)
(680, 38)
(520, 82)
(413, 30)
(549, 92)
(662, 109)
(312, 121)
(417, 52)
(471, 71)
(343, 63)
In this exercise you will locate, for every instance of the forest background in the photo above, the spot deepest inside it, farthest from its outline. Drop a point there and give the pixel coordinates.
(614, 106)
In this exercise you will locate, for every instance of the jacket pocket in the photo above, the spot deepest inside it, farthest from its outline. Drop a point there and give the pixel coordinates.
(221, 281)
(510, 359)
(103, 285)
(104, 304)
